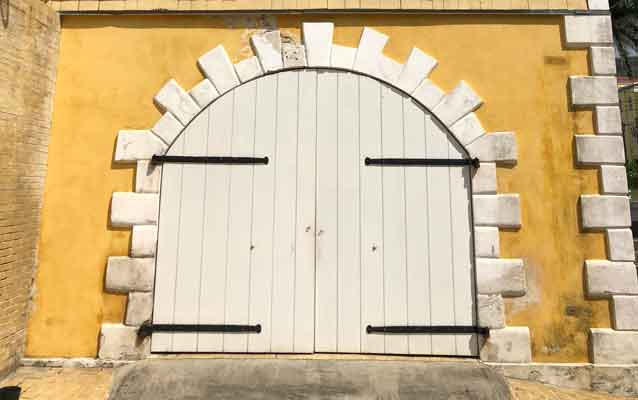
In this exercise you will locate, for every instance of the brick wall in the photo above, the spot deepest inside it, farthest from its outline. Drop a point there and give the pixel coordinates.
(29, 35)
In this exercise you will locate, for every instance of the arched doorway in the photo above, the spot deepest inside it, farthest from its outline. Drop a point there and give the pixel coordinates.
(317, 247)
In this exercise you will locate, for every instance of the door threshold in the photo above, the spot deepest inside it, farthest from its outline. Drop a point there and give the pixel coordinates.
(314, 356)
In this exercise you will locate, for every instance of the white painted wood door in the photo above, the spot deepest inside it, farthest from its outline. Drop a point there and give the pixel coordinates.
(314, 246)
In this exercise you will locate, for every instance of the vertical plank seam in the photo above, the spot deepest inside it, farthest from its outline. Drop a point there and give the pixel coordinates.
(382, 212)
(427, 125)
(405, 222)
(452, 244)
(274, 208)
(339, 77)
(252, 213)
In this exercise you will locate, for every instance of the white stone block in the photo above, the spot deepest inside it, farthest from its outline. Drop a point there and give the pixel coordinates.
(120, 342)
(137, 145)
(613, 179)
(216, 66)
(599, 212)
(491, 311)
(605, 278)
(486, 242)
(204, 93)
(503, 210)
(593, 90)
(317, 37)
(598, 4)
(144, 241)
(342, 56)
(389, 70)
(460, 101)
(620, 245)
(174, 99)
(138, 308)
(508, 345)
(429, 94)
(602, 60)
(614, 347)
(599, 149)
(267, 45)
(467, 129)
(418, 67)
(370, 52)
(625, 313)
(502, 276)
(126, 274)
(608, 121)
(294, 55)
(499, 147)
(585, 30)
(248, 69)
(484, 179)
(147, 177)
(167, 128)
(129, 209)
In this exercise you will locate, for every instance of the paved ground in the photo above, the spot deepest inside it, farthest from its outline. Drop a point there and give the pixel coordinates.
(93, 384)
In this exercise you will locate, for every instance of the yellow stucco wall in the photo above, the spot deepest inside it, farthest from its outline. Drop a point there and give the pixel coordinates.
(110, 68)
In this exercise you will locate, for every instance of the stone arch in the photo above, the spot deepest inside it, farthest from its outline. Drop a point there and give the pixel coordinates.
(496, 277)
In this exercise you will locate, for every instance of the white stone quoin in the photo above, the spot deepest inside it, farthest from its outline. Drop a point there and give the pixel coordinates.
(608, 120)
(138, 308)
(599, 149)
(126, 274)
(625, 312)
(614, 347)
(484, 179)
(620, 245)
(500, 276)
(602, 60)
(605, 278)
(593, 90)
(613, 179)
(585, 30)
(486, 241)
(128, 209)
(604, 211)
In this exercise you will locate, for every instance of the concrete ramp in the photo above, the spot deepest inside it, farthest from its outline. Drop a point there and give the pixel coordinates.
(238, 379)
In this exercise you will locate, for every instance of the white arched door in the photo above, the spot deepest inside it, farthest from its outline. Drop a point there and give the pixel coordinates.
(315, 245)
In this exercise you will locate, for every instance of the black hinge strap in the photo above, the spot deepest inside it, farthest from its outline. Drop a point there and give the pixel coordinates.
(443, 162)
(209, 160)
(440, 329)
(147, 328)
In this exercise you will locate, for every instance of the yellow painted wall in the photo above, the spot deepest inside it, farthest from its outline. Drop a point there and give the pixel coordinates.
(110, 68)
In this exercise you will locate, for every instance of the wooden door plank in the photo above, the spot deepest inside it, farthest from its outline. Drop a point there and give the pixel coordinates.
(263, 210)
(304, 328)
(239, 219)
(215, 254)
(282, 318)
(166, 259)
(348, 262)
(439, 217)
(372, 289)
(326, 246)
(416, 194)
(463, 268)
(394, 239)
(189, 252)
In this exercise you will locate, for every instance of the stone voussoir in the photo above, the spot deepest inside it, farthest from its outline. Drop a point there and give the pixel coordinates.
(128, 209)
(174, 99)
(317, 37)
(370, 52)
(267, 46)
(418, 66)
(502, 276)
(126, 274)
(217, 67)
(499, 147)
(461, 101)
(167, 128)
(203, 93)
(134, 145)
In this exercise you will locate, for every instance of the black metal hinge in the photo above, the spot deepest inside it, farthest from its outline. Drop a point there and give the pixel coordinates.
(440, 162)
(148, 328)
(209, 160)
(421, 329)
